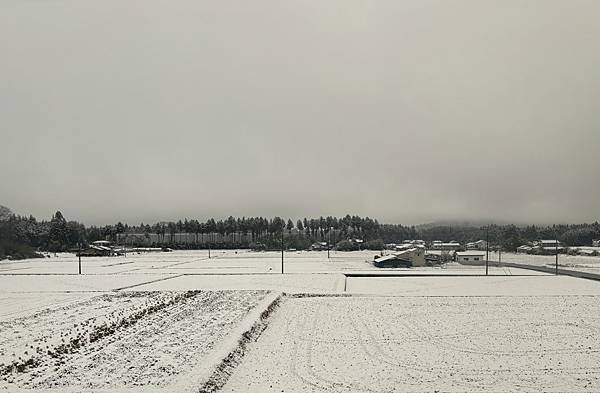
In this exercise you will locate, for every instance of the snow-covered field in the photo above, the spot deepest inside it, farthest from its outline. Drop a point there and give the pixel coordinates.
(163, 322)
(426, 344)
(197, 262)
(570, 262)
(118, 340)
(534, 285)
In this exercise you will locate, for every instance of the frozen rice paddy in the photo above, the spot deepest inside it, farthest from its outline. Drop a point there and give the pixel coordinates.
(164, 321)
(426, 344)
(119, 340)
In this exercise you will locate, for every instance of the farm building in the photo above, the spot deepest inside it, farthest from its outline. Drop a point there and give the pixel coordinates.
(547, 243)
(470, 257)
(96, 251)
(415, 255)
(406, 258)
(596, 243)
(524, 249)
(319, 246)
(391, 260)
(548, 246)
(450, 246)
(478, 245)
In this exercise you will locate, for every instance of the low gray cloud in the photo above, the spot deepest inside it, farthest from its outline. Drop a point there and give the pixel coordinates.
(408, 111)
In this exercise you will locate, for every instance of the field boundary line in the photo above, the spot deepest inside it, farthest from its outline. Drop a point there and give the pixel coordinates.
(147, 282)
(365, 275)
(232, 351)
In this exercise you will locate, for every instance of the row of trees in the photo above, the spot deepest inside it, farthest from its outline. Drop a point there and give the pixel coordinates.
(59, 234)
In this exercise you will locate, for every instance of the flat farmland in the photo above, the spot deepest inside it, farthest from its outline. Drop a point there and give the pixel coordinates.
(425, 344)
(119, 340)
(180, 321)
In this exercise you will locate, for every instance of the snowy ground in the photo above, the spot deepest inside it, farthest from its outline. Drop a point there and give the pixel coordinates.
(412, 344)
(535, 285)
(163, 321)
(569, 262)
(118, 340)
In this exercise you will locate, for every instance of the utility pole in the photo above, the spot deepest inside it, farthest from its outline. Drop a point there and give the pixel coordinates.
(487, 249)
(79, 254)
(556, 252)
(334, 240)
(208, 250)
(281, 250)
(329, 241)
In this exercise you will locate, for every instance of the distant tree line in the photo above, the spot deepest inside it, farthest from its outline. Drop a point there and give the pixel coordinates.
(60, 234)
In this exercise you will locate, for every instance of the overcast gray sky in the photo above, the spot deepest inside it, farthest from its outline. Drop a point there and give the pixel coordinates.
(407, 111)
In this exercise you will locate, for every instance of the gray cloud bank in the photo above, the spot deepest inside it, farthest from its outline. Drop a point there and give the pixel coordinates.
(408, 111)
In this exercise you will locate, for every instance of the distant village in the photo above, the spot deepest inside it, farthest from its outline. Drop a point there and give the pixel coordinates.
(419, 253)
(409, 253)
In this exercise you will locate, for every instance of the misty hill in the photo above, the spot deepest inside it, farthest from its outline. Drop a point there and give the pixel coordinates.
(460, 224)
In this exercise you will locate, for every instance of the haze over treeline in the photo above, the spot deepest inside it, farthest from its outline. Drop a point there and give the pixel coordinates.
(20, 236)
(409, 111)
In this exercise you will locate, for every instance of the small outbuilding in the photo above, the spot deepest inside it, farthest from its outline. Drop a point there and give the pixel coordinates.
(470, 257)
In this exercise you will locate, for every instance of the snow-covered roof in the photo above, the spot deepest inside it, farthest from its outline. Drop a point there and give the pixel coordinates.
(390, 257)
(100, 248)
(470, 253)
(441, 252)
(586, 252)
(403, 252)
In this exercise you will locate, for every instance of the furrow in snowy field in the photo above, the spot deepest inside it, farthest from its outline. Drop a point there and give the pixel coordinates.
(119, 340)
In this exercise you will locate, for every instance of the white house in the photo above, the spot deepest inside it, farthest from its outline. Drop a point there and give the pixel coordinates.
(596, 243)
(470, 257)
(478, 245)
(450, 246)
(548, 245)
